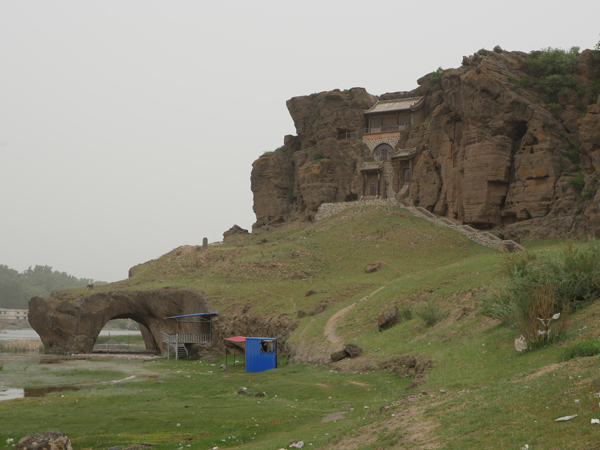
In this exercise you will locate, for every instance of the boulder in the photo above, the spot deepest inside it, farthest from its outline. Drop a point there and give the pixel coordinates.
(233, 231)
(299, 276)
(338, 356)
(373, 267)
(139, 447)
(387, 318)
(352, 350)
(199, 351)
(301, 314)
(49, 440)
(309, 293)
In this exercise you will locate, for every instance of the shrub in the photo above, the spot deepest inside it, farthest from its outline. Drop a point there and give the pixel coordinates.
(318, 155)
(581, 349)
(436, 79)
(543, 323)
(552, 61)
(573, 151)
(482, 52)
(573, 279)
(525, 81)
(405, 314)
(498, 49)
(562, 166)
(431, 312)
(577, 182)
(290, 195)
(556, 85)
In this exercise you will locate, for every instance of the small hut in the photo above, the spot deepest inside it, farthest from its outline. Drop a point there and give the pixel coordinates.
(188, 329)
(261, 354)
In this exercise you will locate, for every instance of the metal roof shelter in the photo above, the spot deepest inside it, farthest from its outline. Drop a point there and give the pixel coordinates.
(233, 339)
(178, 340)
(261, 354)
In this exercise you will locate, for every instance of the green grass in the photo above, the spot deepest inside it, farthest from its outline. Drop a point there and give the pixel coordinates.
(495, 397)
(198, 397)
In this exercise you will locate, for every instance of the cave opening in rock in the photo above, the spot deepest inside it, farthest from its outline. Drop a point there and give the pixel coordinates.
(125, 333)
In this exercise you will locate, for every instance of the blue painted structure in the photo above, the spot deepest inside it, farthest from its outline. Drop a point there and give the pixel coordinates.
(261, 354)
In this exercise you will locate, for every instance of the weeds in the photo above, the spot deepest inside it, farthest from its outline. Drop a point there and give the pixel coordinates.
(581, 349)
(22, 346)
(542, 323)
(431, 312)
(573, 277)
(405, 314)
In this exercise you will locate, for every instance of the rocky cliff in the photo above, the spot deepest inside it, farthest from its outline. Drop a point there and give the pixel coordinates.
(506, 143)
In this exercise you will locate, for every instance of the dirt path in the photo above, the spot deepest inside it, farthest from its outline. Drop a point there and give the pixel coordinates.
(332, 323)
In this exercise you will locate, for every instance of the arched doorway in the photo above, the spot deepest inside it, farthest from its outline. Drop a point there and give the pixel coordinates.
(383, 152)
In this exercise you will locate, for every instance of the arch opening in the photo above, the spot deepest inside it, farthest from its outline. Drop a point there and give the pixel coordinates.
(126, 333)
(383, 152)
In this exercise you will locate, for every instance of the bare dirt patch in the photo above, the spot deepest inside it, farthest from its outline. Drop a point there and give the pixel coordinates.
(541, 371)
(332, 324)
(408, 425)
(334, 416)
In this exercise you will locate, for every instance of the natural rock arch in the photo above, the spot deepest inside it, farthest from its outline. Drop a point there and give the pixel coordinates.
(72, 325)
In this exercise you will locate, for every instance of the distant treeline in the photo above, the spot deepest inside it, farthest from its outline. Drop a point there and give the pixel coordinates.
(16, 288)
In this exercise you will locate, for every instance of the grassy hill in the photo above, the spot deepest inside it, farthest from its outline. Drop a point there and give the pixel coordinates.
(476, 391)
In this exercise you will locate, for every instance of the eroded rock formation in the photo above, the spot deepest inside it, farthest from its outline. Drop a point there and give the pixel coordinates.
(72, 325)
(490, 153)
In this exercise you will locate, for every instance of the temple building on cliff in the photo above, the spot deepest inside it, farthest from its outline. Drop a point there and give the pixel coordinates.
(390, 171)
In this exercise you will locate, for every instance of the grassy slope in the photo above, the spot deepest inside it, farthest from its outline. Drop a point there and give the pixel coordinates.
(495, 397)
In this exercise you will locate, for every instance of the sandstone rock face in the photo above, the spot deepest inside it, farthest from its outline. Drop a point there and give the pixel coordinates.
(50, 440)
(490, 152)
(72, 326)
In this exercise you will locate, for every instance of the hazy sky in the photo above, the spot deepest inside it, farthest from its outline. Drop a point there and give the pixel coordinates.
(128, 128)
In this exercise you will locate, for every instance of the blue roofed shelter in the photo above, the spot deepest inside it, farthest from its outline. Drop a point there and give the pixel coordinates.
(188, 329)
(261, 354)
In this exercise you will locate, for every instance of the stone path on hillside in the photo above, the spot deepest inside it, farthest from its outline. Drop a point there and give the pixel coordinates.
(334, 320)
(481, 237)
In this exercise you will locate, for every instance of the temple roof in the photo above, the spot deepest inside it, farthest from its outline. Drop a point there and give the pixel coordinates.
(404, 153)
(375, 166)
(401, 104)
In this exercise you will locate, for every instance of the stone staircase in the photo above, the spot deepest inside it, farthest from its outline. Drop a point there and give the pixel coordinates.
(403, 193)
(481, 237)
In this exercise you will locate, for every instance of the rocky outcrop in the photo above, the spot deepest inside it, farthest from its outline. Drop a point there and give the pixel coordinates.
(490, 152)
(313, 167)
(234, 231)
(48, 440)
(72, 325)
